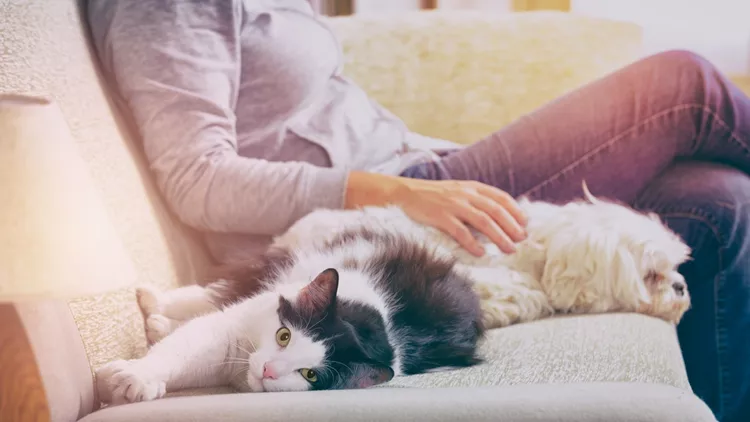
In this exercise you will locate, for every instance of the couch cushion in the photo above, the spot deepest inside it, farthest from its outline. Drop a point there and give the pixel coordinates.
(609, 347)
(575, 368)
(583, 402)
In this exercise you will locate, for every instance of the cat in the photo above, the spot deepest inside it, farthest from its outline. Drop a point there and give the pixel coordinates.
(354, 312)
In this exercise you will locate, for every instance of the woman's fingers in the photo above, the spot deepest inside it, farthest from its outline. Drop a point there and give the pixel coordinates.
(452, 205)
(487, 225)
(456, 229)
(501, 216)
(505, 200)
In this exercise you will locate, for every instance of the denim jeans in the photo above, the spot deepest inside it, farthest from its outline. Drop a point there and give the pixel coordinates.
(669, 134)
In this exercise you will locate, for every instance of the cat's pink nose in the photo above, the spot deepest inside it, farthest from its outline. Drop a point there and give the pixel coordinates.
(268, 372)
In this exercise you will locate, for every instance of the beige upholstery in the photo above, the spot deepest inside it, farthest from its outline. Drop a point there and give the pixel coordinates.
(607, 402)
(462, 75)
(457, 77)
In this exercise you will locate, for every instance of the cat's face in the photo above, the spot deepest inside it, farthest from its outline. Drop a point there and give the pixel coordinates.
(307, 346)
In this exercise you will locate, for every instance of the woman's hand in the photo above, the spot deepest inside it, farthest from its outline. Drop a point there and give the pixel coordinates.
(448, 205)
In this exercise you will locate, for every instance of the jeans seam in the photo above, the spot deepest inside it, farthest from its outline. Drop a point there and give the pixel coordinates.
(630, 130)
(695, 214)
(509, 161)
(732, 134)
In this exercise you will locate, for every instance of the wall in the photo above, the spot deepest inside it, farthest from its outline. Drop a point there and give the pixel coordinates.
(716, 29)
(375, 6)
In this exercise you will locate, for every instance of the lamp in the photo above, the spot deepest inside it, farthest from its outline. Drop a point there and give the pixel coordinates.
(56, 240)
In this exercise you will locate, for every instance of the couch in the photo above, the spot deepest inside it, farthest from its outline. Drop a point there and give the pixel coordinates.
(454, 75)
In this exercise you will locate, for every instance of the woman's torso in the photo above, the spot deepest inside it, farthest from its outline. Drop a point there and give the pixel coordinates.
(294, 104)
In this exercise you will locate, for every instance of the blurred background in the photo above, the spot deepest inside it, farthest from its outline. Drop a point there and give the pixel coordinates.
(717, 29)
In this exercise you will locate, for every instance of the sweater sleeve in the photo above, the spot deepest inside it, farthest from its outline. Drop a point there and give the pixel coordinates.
(175, 63)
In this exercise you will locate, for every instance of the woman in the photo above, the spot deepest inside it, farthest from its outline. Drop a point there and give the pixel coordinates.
(248, 125)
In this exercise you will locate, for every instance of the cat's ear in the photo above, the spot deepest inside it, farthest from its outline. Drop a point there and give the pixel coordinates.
(320, 294)
(364, 375)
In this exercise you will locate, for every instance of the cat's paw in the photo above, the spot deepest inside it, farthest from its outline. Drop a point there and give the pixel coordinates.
(121, 382)
(148, 299)
(157, 327)
(152, 307)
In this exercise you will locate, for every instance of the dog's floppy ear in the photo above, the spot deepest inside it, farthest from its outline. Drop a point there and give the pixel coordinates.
(583, 258)
(628, 279)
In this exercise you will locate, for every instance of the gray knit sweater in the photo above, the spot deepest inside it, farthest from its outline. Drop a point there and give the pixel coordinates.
(246, 120)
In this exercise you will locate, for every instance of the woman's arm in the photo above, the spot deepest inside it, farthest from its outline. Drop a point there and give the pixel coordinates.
(176, 64)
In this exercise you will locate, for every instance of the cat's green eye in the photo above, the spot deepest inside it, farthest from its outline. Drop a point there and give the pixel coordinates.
(283, 335)
(309, 374)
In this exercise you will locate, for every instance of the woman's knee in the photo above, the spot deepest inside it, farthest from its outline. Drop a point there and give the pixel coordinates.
(683, 76)
(708, 205)
(679, 59)
(678, 64)
(702, 200)
(715, 190)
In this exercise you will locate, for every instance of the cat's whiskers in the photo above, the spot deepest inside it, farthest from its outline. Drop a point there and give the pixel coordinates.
(330, 342)
(342, 364)
(308, 328)
(234, 360)
(330, 368)
(242, 349)
(228, 362)
(250, 340)
(240, 370)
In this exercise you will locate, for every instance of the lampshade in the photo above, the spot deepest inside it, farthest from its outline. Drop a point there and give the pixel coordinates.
(56, 239)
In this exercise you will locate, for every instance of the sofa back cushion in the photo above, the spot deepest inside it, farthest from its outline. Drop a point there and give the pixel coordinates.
(461, 75)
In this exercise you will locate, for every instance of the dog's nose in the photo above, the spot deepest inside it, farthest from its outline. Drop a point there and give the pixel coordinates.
(679, 288)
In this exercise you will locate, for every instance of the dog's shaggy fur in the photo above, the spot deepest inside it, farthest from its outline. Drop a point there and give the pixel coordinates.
(588, 256)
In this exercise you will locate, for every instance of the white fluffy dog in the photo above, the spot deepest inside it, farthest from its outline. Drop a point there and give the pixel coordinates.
(589, 256)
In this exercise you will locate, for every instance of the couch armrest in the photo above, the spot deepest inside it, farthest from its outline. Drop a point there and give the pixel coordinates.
(462, 75)
(49, 367)
(22, 395)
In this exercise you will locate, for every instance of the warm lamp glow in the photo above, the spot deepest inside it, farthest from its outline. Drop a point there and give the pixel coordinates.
(56, 239)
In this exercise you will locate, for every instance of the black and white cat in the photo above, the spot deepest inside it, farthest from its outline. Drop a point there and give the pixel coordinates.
(378, 305)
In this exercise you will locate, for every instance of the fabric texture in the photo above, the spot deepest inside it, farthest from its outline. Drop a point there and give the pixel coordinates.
(462, 75)
(532, 59)
(569, 350)
(585, 402)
